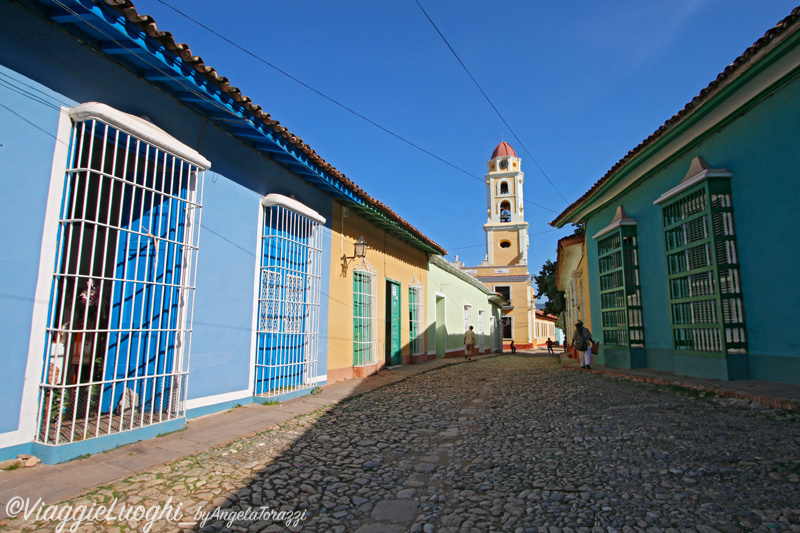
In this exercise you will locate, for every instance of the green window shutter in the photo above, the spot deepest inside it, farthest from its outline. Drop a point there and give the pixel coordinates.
(620, 288)
(705, 296)
(359, 315)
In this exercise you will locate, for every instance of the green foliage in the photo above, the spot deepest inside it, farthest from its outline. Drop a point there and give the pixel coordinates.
(546, 286)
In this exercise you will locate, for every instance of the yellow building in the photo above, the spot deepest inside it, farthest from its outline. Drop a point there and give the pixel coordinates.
(505, 266)
(571, 273)
(545, 328)
(377, 314)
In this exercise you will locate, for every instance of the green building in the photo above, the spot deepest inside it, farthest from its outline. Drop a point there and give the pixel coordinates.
(689, 238)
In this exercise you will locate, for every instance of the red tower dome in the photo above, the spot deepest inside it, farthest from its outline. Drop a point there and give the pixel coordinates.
(503, 149)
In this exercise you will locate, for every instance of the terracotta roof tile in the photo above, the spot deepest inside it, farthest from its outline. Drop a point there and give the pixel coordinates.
(182, 50)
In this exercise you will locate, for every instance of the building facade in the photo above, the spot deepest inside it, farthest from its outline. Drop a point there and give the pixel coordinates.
(571, 272)
(169, 249)
(377, 315)
(457, 301)
(685, 236)
(505, 267)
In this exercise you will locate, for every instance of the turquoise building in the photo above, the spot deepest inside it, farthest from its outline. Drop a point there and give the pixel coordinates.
(689, 238)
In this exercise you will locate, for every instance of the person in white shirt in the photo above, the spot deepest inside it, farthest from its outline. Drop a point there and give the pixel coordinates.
(582, 342)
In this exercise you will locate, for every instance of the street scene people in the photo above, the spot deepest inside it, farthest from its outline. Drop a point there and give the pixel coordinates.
(582, 342)
(469, 343)
(550, 346)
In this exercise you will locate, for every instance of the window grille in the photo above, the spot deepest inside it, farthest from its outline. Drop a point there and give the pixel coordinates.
(365, 315)
(416, 310)
(287, 336)
(620, 288)
(120, 313)
(702, 267)
(467, 317)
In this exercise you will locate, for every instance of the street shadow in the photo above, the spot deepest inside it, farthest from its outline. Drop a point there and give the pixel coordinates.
(336, 467)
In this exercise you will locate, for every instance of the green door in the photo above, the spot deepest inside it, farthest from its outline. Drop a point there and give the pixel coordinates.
(394, 354)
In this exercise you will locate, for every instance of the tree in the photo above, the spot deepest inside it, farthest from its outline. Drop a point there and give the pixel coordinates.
(546, 286)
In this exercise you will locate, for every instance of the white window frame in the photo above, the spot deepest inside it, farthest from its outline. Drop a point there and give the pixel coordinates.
(369, 321)
(495, 287)
(417, 316)
(467, 316)
(511, 318)
(123, 279)
(286, 345)
(481, 329)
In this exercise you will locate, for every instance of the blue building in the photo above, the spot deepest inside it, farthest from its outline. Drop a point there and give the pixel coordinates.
(166, 244)
(689, 238)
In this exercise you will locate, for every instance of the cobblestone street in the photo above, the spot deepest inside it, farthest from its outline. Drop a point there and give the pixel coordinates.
(509, 443)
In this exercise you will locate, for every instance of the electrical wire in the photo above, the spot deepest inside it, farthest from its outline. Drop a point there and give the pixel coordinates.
(312, 89)
(193, 90)
(484, 244)
(490, 102)
(339, 104)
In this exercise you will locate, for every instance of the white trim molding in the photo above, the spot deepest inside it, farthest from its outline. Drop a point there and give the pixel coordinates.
(138, 127)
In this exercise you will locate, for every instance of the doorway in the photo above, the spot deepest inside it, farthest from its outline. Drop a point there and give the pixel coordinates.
(441, 328)
(394, 354)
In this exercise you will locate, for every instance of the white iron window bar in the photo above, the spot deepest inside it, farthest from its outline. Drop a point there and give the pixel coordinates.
(120, 314)
(480, 329)
(365, 315)
(287, 336)
(416, 309)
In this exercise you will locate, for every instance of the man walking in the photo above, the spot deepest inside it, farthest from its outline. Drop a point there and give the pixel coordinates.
(582, 342)
(469, 343)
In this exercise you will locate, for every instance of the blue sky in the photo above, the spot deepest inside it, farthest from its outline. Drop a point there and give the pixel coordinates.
(580, 83)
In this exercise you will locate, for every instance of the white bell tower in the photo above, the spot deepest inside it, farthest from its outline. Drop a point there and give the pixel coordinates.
(506, 229)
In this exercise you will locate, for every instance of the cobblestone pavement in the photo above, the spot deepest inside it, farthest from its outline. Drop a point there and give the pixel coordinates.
(511, 443)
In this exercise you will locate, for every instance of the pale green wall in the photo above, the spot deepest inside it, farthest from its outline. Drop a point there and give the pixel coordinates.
(458, 292)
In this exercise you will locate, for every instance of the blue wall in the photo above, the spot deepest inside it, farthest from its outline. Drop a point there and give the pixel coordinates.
(760, 149)
(67, 72)
(27, 136)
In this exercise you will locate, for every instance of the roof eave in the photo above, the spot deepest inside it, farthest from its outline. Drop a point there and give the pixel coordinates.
(764, 52)
(132, 35)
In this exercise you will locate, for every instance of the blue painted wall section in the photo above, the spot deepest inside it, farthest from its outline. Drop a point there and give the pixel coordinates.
(60, 71)
(28, 131)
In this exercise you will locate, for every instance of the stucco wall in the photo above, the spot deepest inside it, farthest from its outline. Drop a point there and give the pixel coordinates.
(392, 259)
(506, 256)
(65, 72)
(456, 293)
(760, 149)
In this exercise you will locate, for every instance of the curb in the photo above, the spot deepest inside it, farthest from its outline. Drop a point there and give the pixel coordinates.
(768, 401)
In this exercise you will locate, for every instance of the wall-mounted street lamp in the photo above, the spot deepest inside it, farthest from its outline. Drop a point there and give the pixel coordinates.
(359, 251)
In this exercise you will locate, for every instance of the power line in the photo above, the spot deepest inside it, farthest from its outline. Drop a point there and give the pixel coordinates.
(341, 105)
(345, 107)
(490, 101)
(197, 93)
(312, 89)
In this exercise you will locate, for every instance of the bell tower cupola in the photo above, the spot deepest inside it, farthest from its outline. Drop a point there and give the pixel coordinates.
(506, 229)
